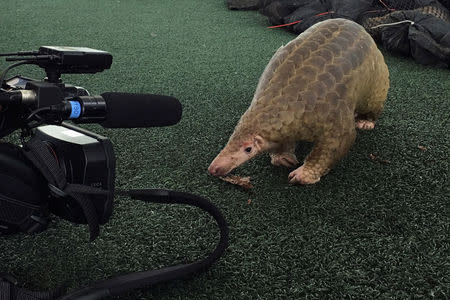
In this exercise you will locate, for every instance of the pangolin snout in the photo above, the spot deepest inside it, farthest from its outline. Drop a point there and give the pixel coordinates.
(216, 170)
(221, 165)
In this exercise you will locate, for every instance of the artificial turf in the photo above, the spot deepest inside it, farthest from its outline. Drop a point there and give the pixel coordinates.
(372, 228)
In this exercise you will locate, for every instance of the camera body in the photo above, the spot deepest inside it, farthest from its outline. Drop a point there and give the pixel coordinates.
(85, 158)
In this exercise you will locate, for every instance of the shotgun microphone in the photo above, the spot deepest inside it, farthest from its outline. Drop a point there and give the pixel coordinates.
(124, 110)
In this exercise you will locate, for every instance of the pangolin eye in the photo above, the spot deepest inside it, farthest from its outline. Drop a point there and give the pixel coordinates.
(248, 149)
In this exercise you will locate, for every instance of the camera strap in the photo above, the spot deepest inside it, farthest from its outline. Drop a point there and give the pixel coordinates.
(9, 290)
(121, 284)
(37, 152)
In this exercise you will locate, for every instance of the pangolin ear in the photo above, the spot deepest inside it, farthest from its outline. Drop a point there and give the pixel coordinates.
(258, 141)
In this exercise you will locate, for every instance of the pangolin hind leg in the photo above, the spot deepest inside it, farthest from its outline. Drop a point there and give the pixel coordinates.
(368, 111)
(325, 153)
(367, 120)
(284, 156)
(364, 122)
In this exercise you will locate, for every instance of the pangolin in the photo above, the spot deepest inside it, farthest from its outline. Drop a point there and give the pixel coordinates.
(320, 86)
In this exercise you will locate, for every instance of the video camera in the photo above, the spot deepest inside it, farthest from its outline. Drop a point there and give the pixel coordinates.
(62, 168)
(69, 171)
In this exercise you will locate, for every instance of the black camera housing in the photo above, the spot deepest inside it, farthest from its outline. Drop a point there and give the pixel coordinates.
(86, 158)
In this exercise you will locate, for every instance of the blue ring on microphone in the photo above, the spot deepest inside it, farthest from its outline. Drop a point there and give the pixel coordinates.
(76, 109)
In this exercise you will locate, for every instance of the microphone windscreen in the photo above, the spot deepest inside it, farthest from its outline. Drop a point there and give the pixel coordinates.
(124, 110)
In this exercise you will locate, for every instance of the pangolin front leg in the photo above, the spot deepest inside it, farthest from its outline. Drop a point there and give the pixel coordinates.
(284, 156)
(325, 153)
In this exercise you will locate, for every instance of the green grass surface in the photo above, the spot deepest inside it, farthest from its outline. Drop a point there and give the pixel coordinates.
(367, 230)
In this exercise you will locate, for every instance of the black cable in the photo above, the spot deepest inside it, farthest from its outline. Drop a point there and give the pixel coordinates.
(3, 75)
(37, 111)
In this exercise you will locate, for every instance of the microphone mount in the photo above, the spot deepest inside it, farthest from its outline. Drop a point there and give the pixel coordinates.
(47, 62)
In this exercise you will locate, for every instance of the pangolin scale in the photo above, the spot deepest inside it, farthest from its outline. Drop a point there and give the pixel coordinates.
(318, 88)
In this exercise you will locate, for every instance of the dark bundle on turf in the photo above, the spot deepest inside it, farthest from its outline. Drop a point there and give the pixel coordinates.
(416, 28)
